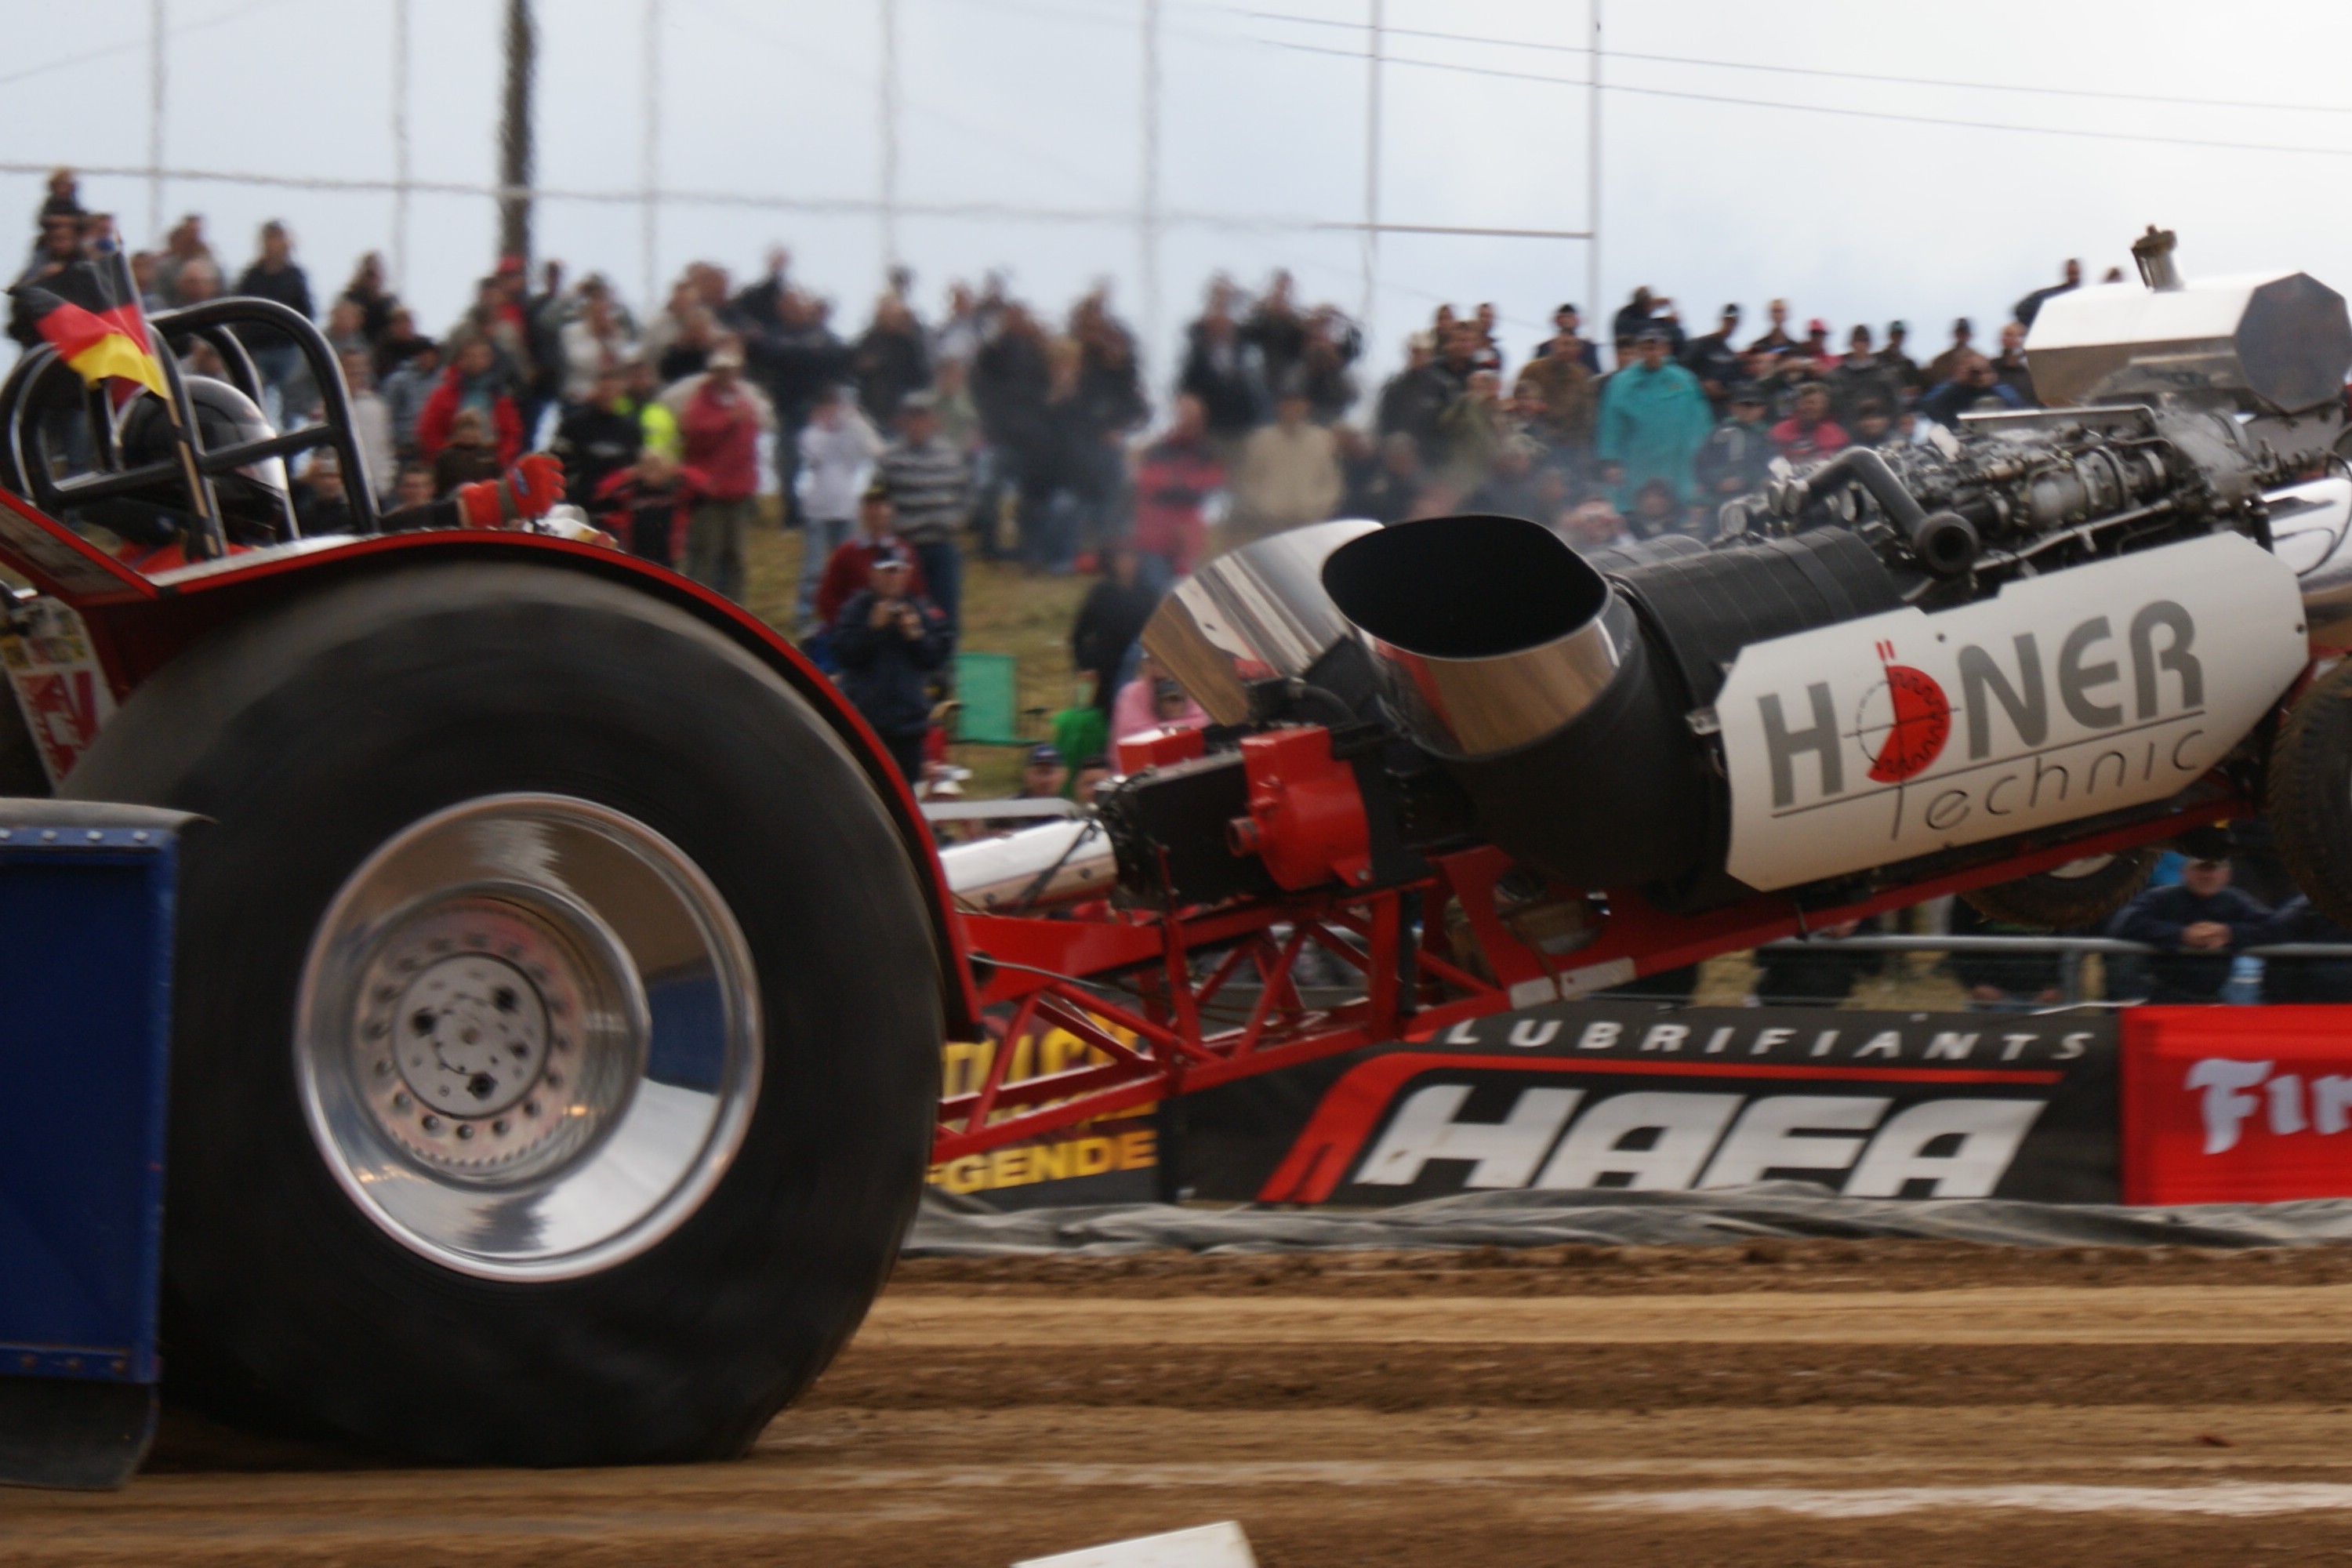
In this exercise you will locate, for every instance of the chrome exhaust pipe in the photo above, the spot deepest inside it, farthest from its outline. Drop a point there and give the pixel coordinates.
(1509, 658)
(1252, 614)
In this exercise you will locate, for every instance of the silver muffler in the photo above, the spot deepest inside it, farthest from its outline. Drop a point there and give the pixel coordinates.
(1033, 869)
(1509, 658)
(1252, 614)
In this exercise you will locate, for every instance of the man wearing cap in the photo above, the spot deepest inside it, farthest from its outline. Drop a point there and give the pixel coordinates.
(1973, 385)
(1901, 365)
(1946, 365)
(1557, 396)
(888, 642)
(849, 571)
(1043, 774)
(1714, 360)
(929, 482)
(2010, 365)
(719, 418)
(1859, 378)
(1566, 338)
(1739, 453)
(1653, 418)
(2196, 921)
(1644, 310)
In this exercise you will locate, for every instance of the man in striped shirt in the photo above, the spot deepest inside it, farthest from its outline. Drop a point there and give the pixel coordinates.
(930, 484)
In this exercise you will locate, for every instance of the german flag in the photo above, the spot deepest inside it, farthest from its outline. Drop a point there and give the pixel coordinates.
(79, 310)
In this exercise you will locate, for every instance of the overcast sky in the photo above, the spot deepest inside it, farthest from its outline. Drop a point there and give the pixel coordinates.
(1035, 106)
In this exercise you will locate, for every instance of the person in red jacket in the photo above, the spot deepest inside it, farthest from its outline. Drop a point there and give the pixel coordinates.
(1809, 432)
(472, 381)
(719, 417)
(647, 505)
(1175, 476)
(849, 571)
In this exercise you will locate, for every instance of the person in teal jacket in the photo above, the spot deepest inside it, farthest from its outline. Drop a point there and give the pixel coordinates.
(1653, 419)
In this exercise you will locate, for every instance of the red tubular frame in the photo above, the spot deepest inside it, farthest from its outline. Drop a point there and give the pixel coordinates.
(1073, 975)
(1006, 978)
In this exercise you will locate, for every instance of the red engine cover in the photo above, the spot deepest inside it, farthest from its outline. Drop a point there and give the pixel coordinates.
(1159, 749)
(1305, 815)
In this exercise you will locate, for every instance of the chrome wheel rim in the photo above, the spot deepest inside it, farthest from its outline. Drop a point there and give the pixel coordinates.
(528, 1036)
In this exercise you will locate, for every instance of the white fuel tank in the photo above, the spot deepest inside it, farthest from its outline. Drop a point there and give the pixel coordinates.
(2105, 686)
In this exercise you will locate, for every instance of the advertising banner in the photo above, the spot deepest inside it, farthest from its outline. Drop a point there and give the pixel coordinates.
(2236, 1104)
(1872, 741)
(1109, 1160)
(1599, 1094)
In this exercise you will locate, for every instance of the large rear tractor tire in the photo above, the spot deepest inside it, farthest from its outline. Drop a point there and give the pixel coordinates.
(2079, 894)
(557, 1021)
(2310, 794)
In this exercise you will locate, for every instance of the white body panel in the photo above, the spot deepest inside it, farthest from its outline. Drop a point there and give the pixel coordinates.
(2067, 695)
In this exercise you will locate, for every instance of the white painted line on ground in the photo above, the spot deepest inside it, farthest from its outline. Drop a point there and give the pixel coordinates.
(2229, 1499)
(1220, 1545)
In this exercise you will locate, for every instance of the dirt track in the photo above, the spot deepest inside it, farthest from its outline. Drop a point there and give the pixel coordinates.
(1807, 1403)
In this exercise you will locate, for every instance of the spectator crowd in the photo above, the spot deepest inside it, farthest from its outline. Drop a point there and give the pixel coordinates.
(998, 430)
(899, 447)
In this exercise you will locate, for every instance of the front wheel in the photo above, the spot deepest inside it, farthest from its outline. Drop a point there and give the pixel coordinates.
(556, 1028)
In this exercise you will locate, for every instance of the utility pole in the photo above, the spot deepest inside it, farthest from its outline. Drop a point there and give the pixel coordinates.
(649, 165)
(1593, 310)
(155, 122)
(1371, 254)
(400, 168)
(889, 113)
(1148, 229)
(514, 133)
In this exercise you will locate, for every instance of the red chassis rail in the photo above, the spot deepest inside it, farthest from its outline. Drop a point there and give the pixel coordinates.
(1144, 990)
(1141, 992)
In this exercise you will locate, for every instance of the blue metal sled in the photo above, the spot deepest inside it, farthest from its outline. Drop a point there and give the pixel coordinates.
(84, 1026)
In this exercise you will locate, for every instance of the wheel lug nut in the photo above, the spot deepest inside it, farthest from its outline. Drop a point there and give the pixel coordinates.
(499, 1127)
(400, 1101)
(431, 1123)
(464, 1130)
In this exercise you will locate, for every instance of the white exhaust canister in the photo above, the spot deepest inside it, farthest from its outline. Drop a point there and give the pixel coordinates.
(2108, 685)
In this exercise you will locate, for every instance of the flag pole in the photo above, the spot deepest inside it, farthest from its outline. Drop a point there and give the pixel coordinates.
(205, 540)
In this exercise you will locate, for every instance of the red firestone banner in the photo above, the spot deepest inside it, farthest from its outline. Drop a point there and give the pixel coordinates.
(2236, 1104)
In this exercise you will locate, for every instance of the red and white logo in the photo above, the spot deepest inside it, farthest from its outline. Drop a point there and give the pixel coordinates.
(2236, 1104)
(2064, 695)
(1904, 720)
